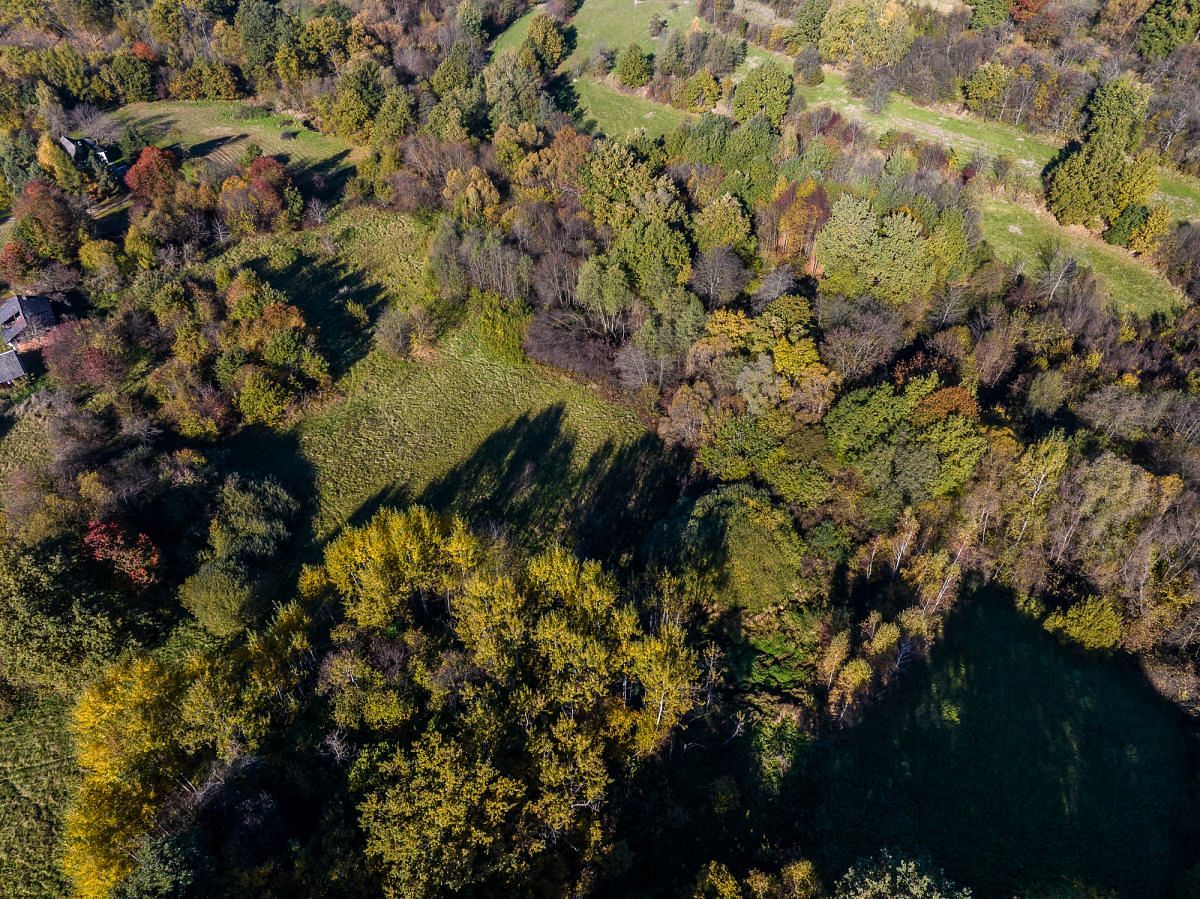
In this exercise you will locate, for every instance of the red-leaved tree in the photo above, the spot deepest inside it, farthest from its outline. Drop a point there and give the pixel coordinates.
(135, 558)
(16, 259)
(153, 175)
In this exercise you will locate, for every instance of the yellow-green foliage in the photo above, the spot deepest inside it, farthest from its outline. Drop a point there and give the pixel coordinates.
(149, 723)
(1093, 623)
(566, 676)
(397, 554)
(124, 727)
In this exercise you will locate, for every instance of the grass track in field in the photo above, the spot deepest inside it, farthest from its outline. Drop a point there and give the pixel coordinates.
(37, 772)
(1017, 233)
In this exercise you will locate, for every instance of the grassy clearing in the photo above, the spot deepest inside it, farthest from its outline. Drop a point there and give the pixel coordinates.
(216, 131)
(405, 427)
(606, 110)
(1017, 233)
(1024, 767)
(390, 247)
(963, 133)
(37, 772)
(1181, 193)
(23, 440)
(463, 428)
(616, 24)
(513, 36)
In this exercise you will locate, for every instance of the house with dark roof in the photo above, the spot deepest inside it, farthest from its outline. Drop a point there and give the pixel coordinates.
(10, 367)
(81, 149)
(24, 319)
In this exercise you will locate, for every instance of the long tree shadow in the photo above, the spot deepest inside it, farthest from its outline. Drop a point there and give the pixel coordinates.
(524, 479)
(323, 290)
(211, 145)
(327, 179)
(1022, 766)
(518, 479)
(622, 493)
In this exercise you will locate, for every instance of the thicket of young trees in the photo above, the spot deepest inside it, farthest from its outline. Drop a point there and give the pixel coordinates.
(873, 415)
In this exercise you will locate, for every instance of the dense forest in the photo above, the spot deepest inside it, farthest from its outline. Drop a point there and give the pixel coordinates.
(414, 487)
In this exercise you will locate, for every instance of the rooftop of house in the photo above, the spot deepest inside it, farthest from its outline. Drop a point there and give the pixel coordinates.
(22, 313)
(10, 367)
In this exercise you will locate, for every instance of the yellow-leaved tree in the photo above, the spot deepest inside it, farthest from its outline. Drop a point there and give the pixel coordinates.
(496, 696)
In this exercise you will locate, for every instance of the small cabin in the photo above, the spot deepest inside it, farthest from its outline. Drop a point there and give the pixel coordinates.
(25, 318)
(11, 368)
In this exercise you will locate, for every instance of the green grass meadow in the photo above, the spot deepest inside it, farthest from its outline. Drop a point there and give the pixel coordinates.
(37, 774)
(22, 440)
(1025, 768)
(405, 426)
(1016, 233)
(606, 110)
(219, 131)
(616, 24)
(969, 135)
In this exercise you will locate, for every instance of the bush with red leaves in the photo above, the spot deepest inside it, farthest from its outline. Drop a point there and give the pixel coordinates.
(144, 52)
(269, 169)
(79, 354)
(135, 558)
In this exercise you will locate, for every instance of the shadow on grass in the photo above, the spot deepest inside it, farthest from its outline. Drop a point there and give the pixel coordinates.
(524, 480)
(328, 178)
(1022, 766)
(322, 290)
(204, 147)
